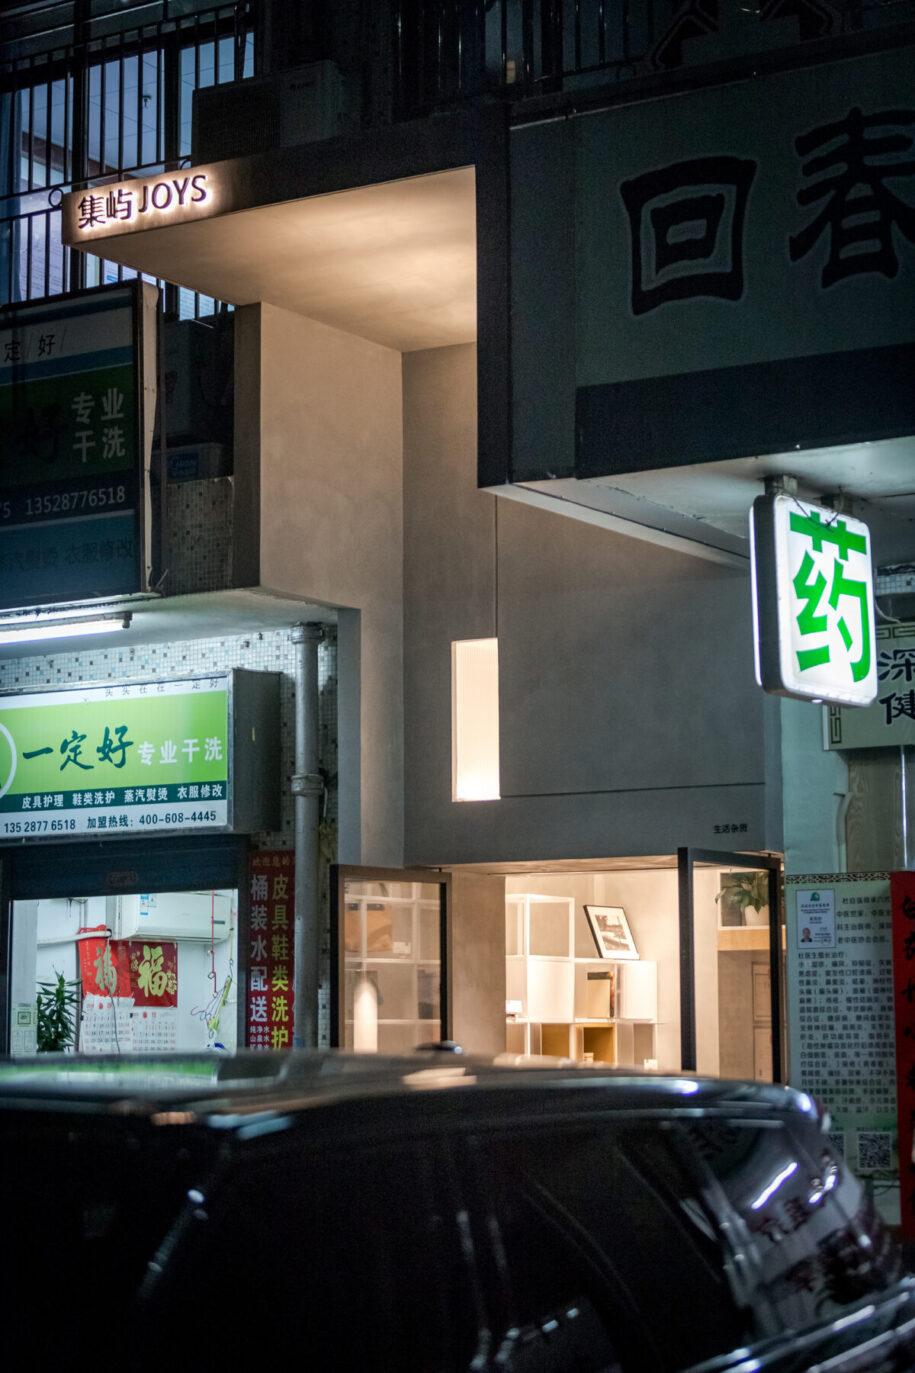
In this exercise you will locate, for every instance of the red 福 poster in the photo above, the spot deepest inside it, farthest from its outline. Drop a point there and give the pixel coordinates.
(153, 971)
(902, 897)
(269, 1019)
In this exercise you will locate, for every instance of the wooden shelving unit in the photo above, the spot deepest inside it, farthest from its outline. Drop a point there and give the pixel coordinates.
(392, 969)
(568, 1006)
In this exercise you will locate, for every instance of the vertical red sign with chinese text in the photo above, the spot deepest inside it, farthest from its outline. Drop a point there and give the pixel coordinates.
(902, 896)
(269, 1017)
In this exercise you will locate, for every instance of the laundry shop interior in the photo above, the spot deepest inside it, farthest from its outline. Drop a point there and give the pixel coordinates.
(154, 972)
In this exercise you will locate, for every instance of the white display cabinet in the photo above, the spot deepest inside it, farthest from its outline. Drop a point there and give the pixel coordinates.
(392, 967)
(557, 1003)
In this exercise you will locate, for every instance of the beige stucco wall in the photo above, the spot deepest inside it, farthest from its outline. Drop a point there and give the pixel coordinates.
(630, 722)
(478, 962)
(331, 530)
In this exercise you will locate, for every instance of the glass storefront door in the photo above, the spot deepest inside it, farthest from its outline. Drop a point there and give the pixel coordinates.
(123, 946)
(389, 983)
(673, 963)
(732, 965)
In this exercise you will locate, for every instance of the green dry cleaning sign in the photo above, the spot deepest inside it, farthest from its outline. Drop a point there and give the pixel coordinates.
(115, 760)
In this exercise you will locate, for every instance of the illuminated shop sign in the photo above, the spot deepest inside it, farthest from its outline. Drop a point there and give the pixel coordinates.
(890, 721)
(143, 203)
(74, 411)
(125, 760)
(813, 602)
(102, 208)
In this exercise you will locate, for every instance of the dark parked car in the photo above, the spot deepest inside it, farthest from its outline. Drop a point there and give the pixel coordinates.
(432, 1214)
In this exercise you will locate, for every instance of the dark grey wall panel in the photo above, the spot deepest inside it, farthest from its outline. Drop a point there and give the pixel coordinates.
(543, 301)
(622, 666)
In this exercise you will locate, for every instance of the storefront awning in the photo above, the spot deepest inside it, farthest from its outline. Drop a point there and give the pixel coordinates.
(392, 261)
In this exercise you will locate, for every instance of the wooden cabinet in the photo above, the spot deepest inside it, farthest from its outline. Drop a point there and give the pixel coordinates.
(563, 1004)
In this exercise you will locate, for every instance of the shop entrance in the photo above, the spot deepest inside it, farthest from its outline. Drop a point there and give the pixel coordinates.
(389, 959)
(113, 950)
(732, 950)
(671, 962)
(151, 972)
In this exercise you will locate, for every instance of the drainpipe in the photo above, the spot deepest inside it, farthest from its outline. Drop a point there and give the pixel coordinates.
(308, 789)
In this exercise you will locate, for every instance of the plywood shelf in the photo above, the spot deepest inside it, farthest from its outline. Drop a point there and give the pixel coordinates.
(567, 1005)
(738, 938)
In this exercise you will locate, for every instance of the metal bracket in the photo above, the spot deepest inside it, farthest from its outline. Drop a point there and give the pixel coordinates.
(307, 784)
(782, 484)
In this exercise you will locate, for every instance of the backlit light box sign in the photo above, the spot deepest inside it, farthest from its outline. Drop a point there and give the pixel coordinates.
(136, 759)
(813, 602)
(77, 395)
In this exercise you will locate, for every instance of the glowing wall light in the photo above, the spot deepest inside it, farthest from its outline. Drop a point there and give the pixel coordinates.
(475, 720)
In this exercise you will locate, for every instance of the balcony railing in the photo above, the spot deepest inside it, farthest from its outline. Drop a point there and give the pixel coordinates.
(450, 51)
(84, 104)
(92, 105)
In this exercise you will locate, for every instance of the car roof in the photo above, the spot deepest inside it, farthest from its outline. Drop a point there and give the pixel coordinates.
(229, 1084)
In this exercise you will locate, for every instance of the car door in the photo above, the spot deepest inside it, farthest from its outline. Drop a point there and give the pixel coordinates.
(594, 1219)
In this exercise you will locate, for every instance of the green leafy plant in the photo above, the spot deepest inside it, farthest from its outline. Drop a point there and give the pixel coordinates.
(743, 889)
(56, 1015)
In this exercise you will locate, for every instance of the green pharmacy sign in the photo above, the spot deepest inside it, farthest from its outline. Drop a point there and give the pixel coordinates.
(813, 602)
(116, 760)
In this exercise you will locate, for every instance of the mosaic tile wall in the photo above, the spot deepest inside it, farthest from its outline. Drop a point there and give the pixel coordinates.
(268, 651)
(199, 556)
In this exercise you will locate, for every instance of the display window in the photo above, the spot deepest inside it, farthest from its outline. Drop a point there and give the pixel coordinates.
(151, 972)
(677, 965)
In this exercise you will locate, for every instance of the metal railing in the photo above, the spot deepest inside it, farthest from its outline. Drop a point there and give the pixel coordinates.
(85, 104)
(450, 51)
(114, 102)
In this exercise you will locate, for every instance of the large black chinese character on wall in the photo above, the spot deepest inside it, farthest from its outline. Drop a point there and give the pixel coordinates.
(686, 230)
(854, 159)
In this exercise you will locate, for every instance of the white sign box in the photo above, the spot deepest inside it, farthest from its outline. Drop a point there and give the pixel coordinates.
(813, 602)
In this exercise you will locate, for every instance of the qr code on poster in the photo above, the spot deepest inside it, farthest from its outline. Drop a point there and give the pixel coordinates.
(837, 1141)
(875, 1151)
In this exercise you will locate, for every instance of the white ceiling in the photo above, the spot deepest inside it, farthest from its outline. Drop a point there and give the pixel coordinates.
(394, 263)
(704, 508)
(880, 475)
(878, 479)
(171, 619)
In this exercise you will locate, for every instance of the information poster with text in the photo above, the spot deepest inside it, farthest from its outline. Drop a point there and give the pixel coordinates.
(840, 998)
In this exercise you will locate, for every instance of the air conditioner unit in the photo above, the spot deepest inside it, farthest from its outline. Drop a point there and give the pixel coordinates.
(198, 915)
(283, 110)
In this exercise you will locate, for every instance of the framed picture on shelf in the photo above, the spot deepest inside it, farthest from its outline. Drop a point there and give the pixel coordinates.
(611, 932)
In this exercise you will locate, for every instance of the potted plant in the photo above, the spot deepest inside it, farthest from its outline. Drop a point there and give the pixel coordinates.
(56, 1015)
(746, 892)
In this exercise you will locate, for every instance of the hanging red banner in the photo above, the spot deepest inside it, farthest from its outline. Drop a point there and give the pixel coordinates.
(269, 1018)
(902, 897)
(102, 972)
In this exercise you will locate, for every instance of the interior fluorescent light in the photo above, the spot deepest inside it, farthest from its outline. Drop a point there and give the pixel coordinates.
(51, 614)
(62, 629)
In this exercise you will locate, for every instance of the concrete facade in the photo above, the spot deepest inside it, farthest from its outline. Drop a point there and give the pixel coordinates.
(630, 722)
